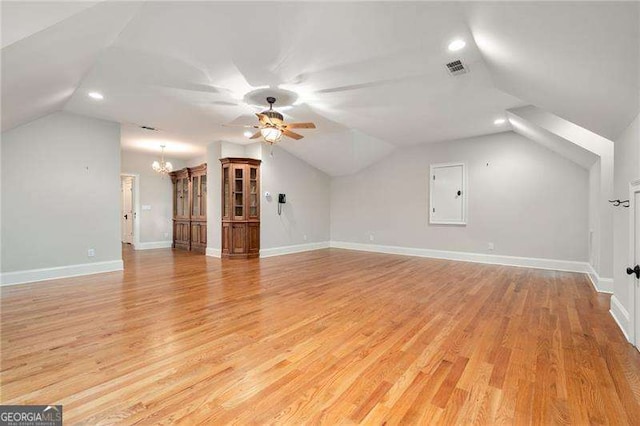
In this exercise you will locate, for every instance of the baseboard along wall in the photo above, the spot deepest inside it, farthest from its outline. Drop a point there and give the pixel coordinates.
(494, 259)
(153, 245)
(43, 274)
(298, 248)
(621, 317)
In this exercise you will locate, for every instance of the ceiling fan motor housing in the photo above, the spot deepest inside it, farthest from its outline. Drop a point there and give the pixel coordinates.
(274, 116)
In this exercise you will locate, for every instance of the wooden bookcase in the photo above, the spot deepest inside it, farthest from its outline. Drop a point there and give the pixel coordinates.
(190, 208)
(240, 207)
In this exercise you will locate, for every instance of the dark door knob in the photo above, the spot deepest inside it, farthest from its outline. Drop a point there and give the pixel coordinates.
(459, 193)
(635, 270)
(126, 216)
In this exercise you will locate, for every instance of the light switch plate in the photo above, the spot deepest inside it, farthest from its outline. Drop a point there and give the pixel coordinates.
(146, 207)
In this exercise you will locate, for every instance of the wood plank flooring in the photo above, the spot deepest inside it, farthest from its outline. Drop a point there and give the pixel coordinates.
(329, 336)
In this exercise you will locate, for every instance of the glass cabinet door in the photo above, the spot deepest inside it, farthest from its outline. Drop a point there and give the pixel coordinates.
(238, 192)
(180, 195)
(185, 196)
(253, 192)
(195, 202)
(176, 197)
(199, 194)
(226, 192)
(203, 195)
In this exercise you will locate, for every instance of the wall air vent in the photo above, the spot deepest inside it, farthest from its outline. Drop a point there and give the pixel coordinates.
(457, 68)
(148, 128)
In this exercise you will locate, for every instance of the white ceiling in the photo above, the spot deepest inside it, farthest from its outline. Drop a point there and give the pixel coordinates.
(579, 61)
(370, 75)
(552, 141)
(22, 19)
(41, 71)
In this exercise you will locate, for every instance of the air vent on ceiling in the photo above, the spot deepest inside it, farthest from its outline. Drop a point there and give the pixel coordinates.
(148, 128)
(456, 68)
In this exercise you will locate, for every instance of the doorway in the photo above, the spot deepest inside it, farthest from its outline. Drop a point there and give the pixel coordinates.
(633, 269)
(127, 213)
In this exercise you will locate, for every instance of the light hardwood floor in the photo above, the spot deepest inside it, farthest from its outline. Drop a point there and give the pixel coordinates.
(329, 336)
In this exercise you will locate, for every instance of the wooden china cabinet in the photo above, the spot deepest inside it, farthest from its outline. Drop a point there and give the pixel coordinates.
(240, 207)
(199, 208)
(190, 208)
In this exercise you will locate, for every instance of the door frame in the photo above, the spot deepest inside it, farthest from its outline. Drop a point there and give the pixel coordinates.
(136, 208)
(634, 188)
(126, 209)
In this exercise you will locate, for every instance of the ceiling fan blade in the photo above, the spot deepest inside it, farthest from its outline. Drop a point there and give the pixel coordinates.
(224, 103)
(300, 126)
(246, 126)
(263, 118)
(291, 134)
(256, 135)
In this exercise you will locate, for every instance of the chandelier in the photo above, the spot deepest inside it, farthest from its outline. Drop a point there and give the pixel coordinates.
(162, 167)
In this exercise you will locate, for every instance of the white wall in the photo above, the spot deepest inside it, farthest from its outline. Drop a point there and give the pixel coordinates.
(307, 210)
(561, 134)
(594, 215)
(230, 149)
(304, 218)
(214, 207)
(195, 161)
(154, 191)
(60, 193)
(524, 198)
(627, 169)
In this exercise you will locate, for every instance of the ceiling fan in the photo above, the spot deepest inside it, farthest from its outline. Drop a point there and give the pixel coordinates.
(272, 126)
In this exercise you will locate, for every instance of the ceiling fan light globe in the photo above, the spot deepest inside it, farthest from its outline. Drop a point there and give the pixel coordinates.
(271, 134)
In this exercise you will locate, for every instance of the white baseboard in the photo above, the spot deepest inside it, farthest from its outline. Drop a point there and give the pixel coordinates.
(213, 252)
(298, 248)
(33, 275)
(494, 259)
(153, 245)
(620, 316)
(601, 285)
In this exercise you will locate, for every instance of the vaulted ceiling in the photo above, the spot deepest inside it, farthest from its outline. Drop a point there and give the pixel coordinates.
(372, 76)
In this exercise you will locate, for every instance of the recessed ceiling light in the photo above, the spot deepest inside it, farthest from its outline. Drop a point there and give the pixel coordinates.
(96, 95)
(248, 134)
(499, 121)
(456, 45)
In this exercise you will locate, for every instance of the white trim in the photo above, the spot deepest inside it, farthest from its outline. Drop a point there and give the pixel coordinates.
(634, 187)
(213, 252)
(465, 190)
(153, 245)
(298, 248)
(601, 285)
(33, 275)
(525, 262)
(620, 316)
